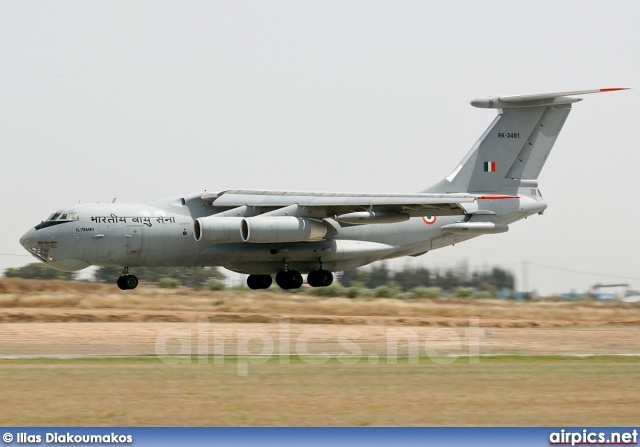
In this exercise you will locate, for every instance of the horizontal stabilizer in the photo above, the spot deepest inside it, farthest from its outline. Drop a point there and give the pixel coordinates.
(541, 99)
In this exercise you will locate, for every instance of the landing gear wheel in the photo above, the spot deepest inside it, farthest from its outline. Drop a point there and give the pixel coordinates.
(320, 278)
(127, 282)
(291, 279)
(131, 282)
(257, 282)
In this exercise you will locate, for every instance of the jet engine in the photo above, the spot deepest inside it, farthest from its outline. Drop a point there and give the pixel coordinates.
(265, 229)
(217, 229)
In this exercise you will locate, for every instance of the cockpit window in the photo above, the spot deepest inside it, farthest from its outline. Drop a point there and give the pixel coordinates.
(63, 216)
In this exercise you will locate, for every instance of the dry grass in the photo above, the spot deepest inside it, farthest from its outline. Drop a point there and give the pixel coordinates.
(17, 285)
(79, 298)
(501, 391)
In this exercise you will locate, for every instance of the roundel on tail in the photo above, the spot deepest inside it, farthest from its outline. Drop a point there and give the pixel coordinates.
(429, 220)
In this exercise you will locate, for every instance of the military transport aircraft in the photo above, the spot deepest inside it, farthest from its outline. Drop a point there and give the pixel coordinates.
(286, 234)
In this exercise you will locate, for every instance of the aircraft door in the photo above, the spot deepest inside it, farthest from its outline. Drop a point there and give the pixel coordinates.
(133, 239)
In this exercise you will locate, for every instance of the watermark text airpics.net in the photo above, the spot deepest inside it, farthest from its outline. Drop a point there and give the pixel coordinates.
(211, 343)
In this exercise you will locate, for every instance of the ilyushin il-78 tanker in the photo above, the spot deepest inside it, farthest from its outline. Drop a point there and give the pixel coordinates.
(288, 234)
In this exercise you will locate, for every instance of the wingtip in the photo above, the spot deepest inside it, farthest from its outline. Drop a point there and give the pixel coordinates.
(613, 89)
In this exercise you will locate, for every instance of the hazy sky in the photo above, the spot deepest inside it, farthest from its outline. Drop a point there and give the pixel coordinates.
(146, 99)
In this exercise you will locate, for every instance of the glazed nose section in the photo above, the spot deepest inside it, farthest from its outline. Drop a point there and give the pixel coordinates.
(28, 240)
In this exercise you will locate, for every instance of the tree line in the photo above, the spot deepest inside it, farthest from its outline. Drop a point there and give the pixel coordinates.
(188, 277)
(491, 280)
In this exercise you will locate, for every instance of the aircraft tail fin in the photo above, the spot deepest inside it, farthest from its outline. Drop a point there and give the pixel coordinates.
(515, 146)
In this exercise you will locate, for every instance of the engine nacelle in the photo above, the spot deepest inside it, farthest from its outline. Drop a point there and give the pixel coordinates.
(218, 230)
(265, 229)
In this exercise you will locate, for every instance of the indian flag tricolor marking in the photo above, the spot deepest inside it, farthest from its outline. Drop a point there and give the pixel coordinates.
(489, 166)
(429, 220)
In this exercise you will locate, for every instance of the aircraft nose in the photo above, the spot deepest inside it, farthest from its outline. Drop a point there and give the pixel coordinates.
(28, 240)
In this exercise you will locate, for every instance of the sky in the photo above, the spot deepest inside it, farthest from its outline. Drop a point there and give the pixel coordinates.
(148, 99)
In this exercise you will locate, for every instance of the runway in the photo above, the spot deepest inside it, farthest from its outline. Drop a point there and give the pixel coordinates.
(73, 339)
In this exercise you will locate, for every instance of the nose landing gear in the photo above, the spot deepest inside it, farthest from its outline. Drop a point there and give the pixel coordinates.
(127, 281)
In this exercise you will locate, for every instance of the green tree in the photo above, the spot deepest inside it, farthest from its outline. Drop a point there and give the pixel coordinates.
(447, 281)
(492, 281)
(38, 270)
(502, 279)
(354, 278)
(410, 278)
(379, 276)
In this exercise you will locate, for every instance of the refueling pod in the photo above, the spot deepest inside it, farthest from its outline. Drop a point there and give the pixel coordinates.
(476, 227)
(370, 217)
(479, 222)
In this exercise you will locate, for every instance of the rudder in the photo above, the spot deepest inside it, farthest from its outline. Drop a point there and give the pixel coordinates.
(533, 155)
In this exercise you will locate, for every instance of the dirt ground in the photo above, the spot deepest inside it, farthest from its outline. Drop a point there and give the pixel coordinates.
(459, 359)
(62, 318)
(213, 338)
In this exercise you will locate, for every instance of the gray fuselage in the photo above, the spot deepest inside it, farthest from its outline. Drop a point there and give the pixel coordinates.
(160, 233)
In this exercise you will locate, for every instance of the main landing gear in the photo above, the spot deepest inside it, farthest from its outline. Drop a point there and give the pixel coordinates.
(320, 278)
(289, 279)
(292, 279)
(257, 282)
(127, 281)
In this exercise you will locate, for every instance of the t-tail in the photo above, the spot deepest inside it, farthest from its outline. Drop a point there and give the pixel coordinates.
(514, 148)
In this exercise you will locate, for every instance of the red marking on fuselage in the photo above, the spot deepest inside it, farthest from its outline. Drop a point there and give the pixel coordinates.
(495, 197)
(429, 220)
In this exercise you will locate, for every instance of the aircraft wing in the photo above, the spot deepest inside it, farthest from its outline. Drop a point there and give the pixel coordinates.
(330, 204)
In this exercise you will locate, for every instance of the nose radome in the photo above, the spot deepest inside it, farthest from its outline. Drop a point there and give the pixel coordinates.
(28, 240)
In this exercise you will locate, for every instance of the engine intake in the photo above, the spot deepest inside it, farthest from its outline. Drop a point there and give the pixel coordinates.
(217, 229)
(261, 229)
